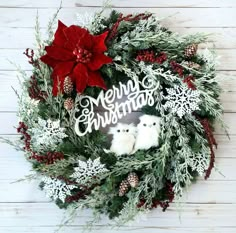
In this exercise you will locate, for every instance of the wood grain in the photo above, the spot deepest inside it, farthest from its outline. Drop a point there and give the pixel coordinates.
(221, 37)
(118, 3)
(192, 215)
(104, 229)
(183, 17)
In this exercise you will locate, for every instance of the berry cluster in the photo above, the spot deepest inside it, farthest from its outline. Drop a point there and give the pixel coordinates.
(22, 129)
(211, 141)
(189, 81)
(163, 204)
(76, 197)
(30, 54)
(150, 56)
(47, 159)
(34, 90)
(177, 68)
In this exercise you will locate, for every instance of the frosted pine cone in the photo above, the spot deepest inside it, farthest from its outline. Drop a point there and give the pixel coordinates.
(133, 179)
(190, 50)
(124, 186)
(69, 104)
(68, 85)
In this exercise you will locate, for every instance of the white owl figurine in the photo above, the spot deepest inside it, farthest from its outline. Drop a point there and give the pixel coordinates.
(148, 131)
(123, 138)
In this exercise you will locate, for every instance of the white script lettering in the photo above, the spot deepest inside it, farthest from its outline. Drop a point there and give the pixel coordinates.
(137, 93)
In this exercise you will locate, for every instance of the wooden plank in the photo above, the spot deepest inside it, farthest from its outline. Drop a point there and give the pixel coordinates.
(183, 17)
(27, 192)
(36, 4)
(105, 229)
(222, 37)
(192, 215)
(118, 3)
(160, 3)
(226, 148)
(228, 59)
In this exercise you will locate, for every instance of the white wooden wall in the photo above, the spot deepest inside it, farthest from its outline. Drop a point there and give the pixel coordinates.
(209, 206)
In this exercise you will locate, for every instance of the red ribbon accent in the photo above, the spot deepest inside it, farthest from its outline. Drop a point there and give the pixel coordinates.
(130, 17)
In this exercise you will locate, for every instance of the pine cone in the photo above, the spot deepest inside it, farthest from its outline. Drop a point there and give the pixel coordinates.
(69, 104)
(193, 65)
(190, 50)
(68, 85)
(124, 186)
(133, 179)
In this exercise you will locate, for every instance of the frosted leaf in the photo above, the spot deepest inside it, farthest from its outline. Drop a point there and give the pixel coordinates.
(90, 21)
(210, 58)
(28, 108)
(88, 169)
(47, 134)
(181, 100)
(56, 189)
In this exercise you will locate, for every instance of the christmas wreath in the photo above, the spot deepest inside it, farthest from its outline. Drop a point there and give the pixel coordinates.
(75, 113)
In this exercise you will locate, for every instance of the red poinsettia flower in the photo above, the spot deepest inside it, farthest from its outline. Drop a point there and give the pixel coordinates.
(78, 54)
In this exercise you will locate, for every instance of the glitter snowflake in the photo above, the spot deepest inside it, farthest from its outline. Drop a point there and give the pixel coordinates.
(88, 169)
(201, 163)
(56, 189)
(182, 100)
(85, 19)
(47, 134)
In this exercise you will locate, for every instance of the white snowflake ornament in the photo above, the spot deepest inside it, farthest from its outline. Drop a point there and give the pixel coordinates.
(88, 169)
(201, 163)
(47, 134)
(182, 100)
(85, 19)
(56, 189)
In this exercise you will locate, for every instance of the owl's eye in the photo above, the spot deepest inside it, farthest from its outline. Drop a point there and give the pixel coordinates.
(154, 123)
(118, 130)
(145, 125)
(127, 130)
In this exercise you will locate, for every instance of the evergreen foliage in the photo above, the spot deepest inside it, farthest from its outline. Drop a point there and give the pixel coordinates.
(183, 152)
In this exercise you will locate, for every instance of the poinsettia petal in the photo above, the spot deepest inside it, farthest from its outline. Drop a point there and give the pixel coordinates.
(74, 33)
(62, 69)
(86, 41)
(96, 80)
(80, 76)
(59, 53)
(49, 61)
(57, 85)
(99, 45)
(98, 60)
(59, 37)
